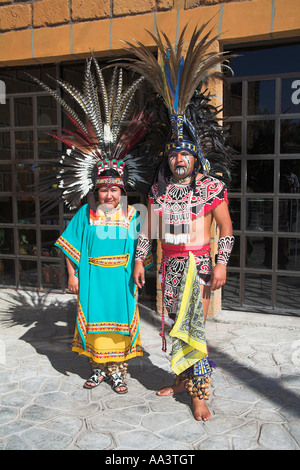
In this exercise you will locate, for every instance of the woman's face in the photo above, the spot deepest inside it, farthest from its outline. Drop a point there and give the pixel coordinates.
(109, 196)
(181, 163)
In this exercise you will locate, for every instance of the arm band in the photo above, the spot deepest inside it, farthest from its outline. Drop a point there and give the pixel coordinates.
(143, 247)
(225, 245)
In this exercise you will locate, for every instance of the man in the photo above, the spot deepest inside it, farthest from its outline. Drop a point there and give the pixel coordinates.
(185, 198)
(208, 201)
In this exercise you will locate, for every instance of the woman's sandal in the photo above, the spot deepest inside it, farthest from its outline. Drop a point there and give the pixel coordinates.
(117, 382)
(96, 378)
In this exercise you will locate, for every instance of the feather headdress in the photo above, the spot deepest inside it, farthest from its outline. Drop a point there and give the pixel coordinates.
(103, 141)
(175, 76)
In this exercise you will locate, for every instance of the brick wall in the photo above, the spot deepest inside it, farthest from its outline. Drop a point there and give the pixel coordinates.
(22, 14)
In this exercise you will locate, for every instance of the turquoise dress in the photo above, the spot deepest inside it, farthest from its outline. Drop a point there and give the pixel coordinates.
(102, 248)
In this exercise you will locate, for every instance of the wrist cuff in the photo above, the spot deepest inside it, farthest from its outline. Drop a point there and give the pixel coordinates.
(225, 245)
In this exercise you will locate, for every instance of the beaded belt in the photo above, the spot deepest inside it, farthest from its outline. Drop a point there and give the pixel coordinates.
(110, 261)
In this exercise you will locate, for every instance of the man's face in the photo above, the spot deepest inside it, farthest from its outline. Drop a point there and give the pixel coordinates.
(109, 196)
(181, 163)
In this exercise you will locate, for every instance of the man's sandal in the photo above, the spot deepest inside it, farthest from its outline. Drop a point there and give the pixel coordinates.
(96, 378)
(117, 382)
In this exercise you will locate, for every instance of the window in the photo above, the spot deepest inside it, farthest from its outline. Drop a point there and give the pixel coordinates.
(28, 257)
(262, 106)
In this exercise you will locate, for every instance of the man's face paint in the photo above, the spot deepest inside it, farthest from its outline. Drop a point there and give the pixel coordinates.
(181, 163)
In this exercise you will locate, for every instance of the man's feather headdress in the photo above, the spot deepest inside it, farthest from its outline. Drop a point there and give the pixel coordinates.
(103, 141)
(175, 75)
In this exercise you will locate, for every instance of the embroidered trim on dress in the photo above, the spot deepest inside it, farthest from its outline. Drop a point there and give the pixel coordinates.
(115, 218)
(68, 248)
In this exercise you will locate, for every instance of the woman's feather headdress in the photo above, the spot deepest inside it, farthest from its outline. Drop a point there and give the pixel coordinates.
(103, 141)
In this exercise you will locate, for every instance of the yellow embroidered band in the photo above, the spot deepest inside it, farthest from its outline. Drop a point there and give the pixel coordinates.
(110, 261)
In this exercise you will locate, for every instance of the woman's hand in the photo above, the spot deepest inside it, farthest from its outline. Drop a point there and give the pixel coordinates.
(139, 274)
(73, 284)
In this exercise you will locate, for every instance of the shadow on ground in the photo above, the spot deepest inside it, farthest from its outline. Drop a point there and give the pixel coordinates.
(50, 324)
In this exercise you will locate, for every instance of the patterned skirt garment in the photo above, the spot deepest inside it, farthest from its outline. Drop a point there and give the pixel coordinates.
(174, 267)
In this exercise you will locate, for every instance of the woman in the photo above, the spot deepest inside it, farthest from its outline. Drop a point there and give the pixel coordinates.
(99, 246)
(101, 158)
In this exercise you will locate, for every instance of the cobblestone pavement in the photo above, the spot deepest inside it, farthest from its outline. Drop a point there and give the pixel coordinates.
(254, 395)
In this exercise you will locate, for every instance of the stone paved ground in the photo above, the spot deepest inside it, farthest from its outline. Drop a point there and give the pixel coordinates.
(254, 398)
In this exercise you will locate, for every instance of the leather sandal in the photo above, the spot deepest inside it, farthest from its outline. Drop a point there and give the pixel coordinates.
(96, 378)
(117, 381)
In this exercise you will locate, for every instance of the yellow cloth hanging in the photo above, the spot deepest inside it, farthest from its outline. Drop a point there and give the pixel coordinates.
(189, 343)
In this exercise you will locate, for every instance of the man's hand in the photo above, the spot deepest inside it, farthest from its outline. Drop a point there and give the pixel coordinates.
(139, 274)
(218, 276)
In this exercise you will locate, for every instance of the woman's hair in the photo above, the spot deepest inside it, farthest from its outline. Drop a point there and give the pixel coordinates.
(110, 172)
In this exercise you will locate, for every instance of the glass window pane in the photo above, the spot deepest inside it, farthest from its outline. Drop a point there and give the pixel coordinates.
(5, 178)
(260, 176)
(51, 275)
(6, 213)
(261, 97)
(28, 273)
(289, 215)
(23, 111)
(265, 61)
(18, 82)
(290, 176)
(290, 136)
(235, 213)
(7, 272)
(48, 238)
(5, 114)
(27, 242)
(289, 254)
(290, 96)
(233, 100)
(258, 289)
(235, 184)
(5, 145)
(234, 139)
(26, 211)
(259, 214)
(288, 292)
(51, 217)
(235, 254)
(24, 145)
(6, 241)
(259, 252)
(46, 145)
(231, 290)
(46, 111)
(25, 177)
(260, 137)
